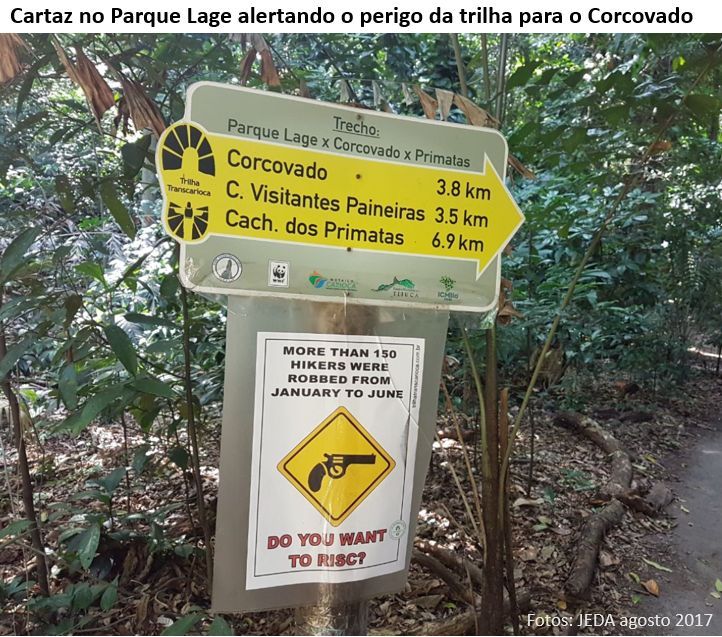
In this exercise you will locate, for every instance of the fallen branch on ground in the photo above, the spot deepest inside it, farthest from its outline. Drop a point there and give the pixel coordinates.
(444, 563)
(598, 524)
(453, 580)
(620, 477)
(465, 622)
(451, 559)
(593, 531)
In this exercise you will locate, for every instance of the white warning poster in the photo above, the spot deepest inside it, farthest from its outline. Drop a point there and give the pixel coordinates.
(334, 442)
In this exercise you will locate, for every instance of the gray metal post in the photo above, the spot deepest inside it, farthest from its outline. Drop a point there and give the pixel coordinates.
(332, 616)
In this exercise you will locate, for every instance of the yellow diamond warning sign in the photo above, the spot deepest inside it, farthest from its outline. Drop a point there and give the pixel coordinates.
(337, 466)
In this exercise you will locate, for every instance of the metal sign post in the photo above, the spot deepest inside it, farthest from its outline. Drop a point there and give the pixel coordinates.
(342, 238)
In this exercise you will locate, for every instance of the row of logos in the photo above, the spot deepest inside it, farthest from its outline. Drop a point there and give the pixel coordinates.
(228, 268)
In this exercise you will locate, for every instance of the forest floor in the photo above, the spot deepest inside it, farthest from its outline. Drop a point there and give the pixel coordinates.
(651, 566)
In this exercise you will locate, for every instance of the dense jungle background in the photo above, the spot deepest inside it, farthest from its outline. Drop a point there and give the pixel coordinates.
(605, 348)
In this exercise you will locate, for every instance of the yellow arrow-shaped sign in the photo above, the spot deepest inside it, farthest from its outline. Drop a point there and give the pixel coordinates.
(218, 185)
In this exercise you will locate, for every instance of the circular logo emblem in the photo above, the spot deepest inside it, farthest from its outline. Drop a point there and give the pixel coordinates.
(227, 267)
(397, 529)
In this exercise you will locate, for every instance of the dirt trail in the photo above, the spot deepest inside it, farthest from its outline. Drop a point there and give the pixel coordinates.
(696, 546)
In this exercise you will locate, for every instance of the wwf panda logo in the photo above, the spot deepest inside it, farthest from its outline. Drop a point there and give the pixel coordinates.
(278, 274)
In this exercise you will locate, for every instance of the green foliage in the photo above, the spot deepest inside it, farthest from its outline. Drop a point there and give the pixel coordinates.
(183, 625)
(14, 528)
(110, 596)
(220, 626)
(15, 254)
(117, 209)
(123, 347)
(90, 302)
(84, 545)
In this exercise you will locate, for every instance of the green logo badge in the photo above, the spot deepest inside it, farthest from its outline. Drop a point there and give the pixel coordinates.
(402, 288)
(448, 294)
(320, 282)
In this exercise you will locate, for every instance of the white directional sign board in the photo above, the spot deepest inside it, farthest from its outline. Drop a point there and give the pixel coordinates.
(272, 195)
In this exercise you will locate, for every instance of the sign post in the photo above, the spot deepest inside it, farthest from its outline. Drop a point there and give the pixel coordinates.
(342, 238)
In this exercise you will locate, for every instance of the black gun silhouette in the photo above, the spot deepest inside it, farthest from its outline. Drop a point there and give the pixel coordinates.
(335, 467)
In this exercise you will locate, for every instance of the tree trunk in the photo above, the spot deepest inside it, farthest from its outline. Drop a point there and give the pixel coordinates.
(492, 621)
(506, 522)
(24, 469)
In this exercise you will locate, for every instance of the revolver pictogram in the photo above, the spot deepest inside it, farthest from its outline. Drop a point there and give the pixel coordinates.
(335, 466)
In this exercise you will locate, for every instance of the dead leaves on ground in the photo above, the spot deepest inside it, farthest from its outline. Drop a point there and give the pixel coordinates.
(651, 587)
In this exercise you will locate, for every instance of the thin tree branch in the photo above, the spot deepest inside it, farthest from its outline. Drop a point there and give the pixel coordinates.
(459, 64)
